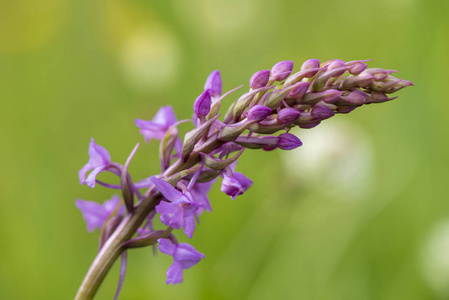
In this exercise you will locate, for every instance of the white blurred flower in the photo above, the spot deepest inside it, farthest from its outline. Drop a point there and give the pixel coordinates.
(435, 259)
(336, 159)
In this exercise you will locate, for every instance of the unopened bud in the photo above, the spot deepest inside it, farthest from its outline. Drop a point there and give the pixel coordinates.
(259, 79)
(310, 64)
(379, 97)
(357, 67)
(201, 107)
(337, 64)
(328, 96)
(281, 70)
(258, 113)
(288, 141)
(287, 115)
(355, 97)
(299, 90)
(380, 74)
(345, 109)
(213, 83)
(362, 80)
(321, 112)
(309, 125)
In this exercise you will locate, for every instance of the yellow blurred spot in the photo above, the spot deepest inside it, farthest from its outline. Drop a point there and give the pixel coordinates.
(29, 25)
(147, 51)
(219, 18)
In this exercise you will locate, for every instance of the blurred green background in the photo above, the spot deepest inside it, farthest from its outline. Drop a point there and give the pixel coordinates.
(361, 211)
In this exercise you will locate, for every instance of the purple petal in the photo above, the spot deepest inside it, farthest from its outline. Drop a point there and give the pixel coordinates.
(82, 173)
(174, 273)
(189, 225)
(199, 194)
(98, 155)
(90, 181)
(171, 214)
(166, 246)
(96, 214)
(165, 116)
(245, 182)
(169, 192)
(187, 255)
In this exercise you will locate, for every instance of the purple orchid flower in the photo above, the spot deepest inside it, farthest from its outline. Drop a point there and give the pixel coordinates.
(180, 211)
(99, 160)
(96, 214)
(158, 127)
(235, 184)
(184, 255)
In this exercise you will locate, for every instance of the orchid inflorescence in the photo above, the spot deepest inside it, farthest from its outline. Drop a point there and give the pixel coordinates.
(276, 102)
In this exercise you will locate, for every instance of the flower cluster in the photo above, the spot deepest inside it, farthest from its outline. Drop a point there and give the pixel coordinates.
(277, 101)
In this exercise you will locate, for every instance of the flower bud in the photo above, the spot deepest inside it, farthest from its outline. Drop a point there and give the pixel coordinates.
(345, 109)
(258, 113)
(357, 67)
(309, 125)
(213, 83)
(201, 107)
(362, 80)
(321, 112)
(355, 97)
(379, 97)
(259, 79)
(310, 64)
(287, 115)
(288, 141)
(380, 74)
(281, 70)
(336, 64)
(299, 90)
(328, 96)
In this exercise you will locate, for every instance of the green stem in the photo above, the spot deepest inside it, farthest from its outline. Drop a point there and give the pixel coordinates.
(112, 249)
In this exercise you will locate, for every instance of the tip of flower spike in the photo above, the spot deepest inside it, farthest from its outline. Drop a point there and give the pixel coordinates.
(259, 79)
(281, 70)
